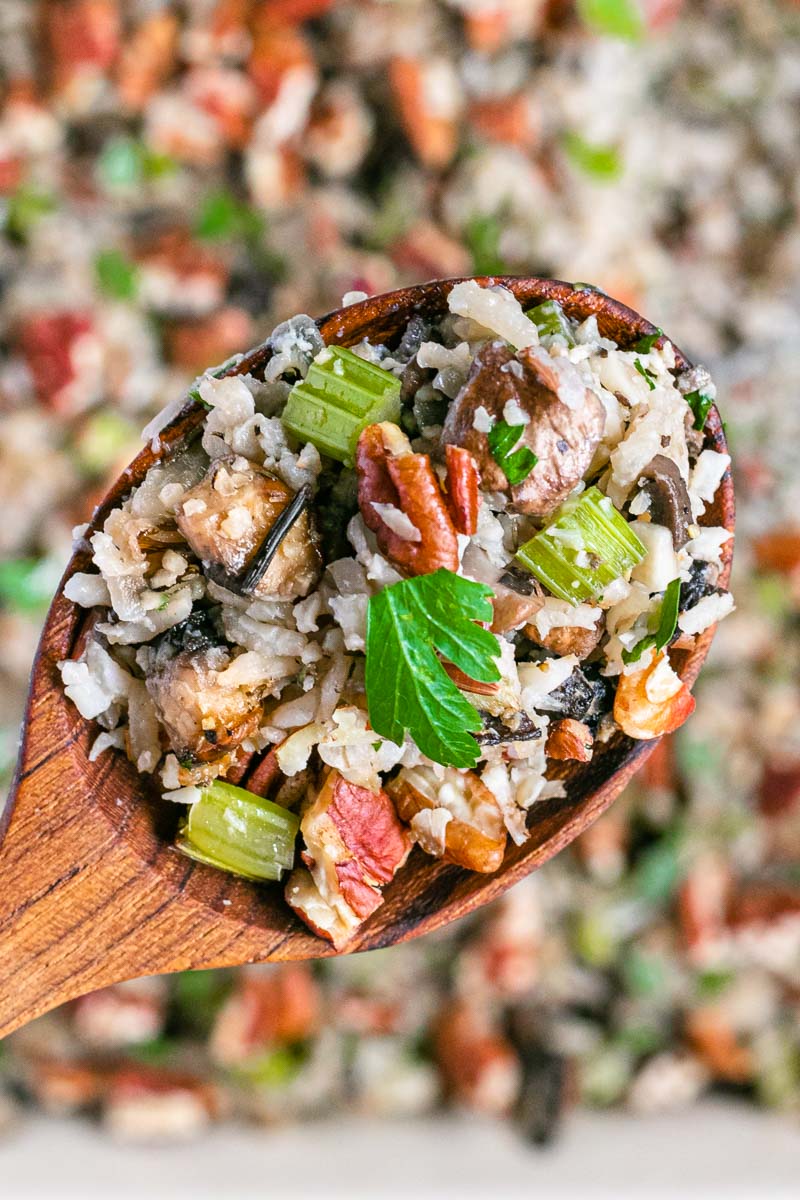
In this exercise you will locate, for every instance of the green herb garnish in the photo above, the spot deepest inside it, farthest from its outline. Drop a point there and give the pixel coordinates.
(648, 376)
(647, 341)
(615, 18)
(482, 239)
(516, 465)
(551, 321)
(701, 404)
(116, 275)
(24, 208)
(667, 624)
(407, 686)
(600, 162)
(222, 215)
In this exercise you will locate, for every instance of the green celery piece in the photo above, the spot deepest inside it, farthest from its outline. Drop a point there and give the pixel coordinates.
(550, 320)
(607, 537)
(237, 831)
(602, 163)
(407, 686)
(614, 18)
(339, 397)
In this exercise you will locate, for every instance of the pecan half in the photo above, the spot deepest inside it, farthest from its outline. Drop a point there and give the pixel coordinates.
(390, 473)
(569, 740)
(463, 479)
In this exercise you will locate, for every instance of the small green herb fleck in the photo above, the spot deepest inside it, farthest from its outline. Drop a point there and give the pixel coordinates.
(700, 403)
(24, 208)
(116, 275)
(645, 374)
(614, 18)
(667, 624)
(647, 341)
(482, 239)
(602, 163)
(221, 215)
(27, 584)
(516, 465)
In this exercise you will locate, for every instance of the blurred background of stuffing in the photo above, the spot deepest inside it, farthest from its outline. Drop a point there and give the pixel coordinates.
(176, 177)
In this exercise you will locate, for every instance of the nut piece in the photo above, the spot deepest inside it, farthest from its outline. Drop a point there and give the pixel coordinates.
(277, 1005)
(475, 834)
(569, 740)
(478, 1064)
(463, 479)
(355, 843)
(563, 438)
(652, 701)
(389, 473)
(145, 1104)
(226, 517)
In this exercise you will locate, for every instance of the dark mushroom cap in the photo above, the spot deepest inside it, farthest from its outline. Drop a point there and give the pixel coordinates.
(669, 498)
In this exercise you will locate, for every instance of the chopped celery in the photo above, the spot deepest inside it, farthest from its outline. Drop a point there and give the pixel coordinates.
(550, 320)
(237, 831)
(339, 397)
(587, 546)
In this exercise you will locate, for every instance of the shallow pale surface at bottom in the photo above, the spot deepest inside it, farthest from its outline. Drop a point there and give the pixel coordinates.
(716, 1150)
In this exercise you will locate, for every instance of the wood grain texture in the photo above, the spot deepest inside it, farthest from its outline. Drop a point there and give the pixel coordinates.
(91, 889)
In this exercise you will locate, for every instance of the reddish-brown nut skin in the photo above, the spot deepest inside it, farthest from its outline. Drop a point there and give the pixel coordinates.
(360, 895)
(717, 1046)
(469, 685)
(465, 844)
(409, 482)
(147, 58)
(478, 1064)
(369, 827)
(61, 1087)
(569, 740)
(138, 1081)
(433, 137)
(277, 1007)
(642, 718)
(463, 480)
(778, 550)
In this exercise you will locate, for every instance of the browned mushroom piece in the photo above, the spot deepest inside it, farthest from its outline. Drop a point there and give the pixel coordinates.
(518, 597)
(226, 517)
(563, 438)
(669, 498)
(204, 712)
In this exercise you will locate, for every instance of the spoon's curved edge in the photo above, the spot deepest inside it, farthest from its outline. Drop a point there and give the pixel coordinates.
(142, 908)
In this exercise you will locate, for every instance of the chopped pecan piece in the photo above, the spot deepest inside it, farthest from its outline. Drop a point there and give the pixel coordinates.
(569, 740)
(147, 1104)
(463, 479)
(652, 701)
(277, 1005)
(478, 1063)
(354, 844)
(568, 639)
(390, 473)
(474, 833)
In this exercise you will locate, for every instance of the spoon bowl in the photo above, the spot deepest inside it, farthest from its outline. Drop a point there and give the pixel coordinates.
(93, 892)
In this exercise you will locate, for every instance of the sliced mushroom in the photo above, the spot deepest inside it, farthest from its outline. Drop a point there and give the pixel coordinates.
(564, 438)
(517, 598)
(226, 518)
(569, 639)
(205, 715)
(669, 498)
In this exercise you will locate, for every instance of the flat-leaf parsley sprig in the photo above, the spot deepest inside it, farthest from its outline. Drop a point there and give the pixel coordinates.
(407, 686)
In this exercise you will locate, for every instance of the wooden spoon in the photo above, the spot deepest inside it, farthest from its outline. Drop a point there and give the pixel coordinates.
(91, 889)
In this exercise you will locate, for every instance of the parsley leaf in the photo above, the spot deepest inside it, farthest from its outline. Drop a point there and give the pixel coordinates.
(482, 239)
(645, 374)
(667, 624)
(516, 465)
(647, 341)
(700, 403)
(116, 275)
(407, 686)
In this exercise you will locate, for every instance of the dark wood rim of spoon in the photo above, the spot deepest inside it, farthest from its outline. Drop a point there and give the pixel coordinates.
(91, 889)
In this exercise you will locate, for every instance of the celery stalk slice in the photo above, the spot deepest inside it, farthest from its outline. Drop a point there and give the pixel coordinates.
(235, 830)
(602, 533)
(550, 319)
(339, 397)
